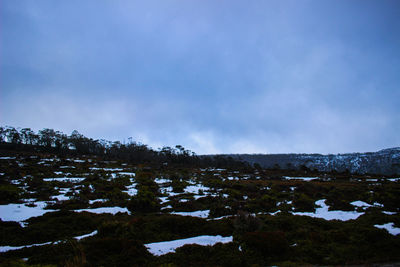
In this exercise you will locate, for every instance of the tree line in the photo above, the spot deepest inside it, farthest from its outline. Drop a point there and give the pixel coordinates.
(51, 141)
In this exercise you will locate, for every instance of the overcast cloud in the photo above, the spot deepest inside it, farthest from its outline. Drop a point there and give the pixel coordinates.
(213, 76)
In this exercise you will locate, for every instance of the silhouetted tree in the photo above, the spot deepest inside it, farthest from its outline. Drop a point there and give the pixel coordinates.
(48, 140)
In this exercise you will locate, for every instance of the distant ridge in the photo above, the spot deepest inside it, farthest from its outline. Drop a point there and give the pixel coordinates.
(385, 161)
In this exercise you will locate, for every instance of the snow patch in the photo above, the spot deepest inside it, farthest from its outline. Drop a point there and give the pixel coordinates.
(65, 179)
(60, 197)
(106, 169)
(127, 173)
(360, 204)
(163, 200)
(307, 179)
(161, 248)
(200, 213)
(8, 248)
(87, 235)
(169, 191)
(194, 189)
(22, 212)
(112, 210)
(162, 180)
(97, 200)
(7, 157)
(324, 213)
(389, 212)
(131, 190)
(389, 227)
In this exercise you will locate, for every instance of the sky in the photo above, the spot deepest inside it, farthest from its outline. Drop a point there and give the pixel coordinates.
(277, 76)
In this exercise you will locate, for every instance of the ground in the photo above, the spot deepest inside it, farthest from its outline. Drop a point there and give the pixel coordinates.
(87, 211)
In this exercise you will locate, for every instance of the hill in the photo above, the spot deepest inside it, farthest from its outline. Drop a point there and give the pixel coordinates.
(385, 162)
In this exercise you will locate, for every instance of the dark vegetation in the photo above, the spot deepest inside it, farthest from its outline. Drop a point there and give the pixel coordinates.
(56, 142)
(243, 201)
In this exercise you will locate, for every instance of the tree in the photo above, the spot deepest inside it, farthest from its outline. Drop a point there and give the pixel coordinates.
(47, 137)
(27, 136)
(3, 135)
(13, 135)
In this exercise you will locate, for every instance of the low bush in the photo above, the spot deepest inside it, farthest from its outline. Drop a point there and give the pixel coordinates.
(9, 193)
(269, 244)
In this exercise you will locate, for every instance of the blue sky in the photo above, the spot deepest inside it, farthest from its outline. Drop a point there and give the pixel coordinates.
(214, 76)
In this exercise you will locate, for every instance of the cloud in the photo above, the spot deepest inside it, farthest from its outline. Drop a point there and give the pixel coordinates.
(203, 142)
(65, 112)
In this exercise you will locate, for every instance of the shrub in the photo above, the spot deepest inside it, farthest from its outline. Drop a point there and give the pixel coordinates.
(178, 186)
(270, 244)
(145, 201)
(115, 252)
(218, 209)
(21, 263)
(304, 203)
(9, 193)
(245, 222)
